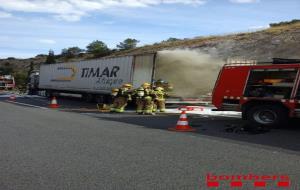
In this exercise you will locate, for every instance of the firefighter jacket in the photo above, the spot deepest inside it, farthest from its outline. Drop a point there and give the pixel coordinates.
(124, 93)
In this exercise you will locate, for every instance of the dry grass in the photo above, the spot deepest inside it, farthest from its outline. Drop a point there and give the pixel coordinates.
(203, 41)
(186, 43)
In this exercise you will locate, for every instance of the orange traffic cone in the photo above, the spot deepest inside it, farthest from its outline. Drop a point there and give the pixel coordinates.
(12, 97)
(183, 124)
(53, 103)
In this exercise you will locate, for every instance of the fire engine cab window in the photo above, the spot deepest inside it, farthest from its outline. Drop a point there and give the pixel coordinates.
(270, 83)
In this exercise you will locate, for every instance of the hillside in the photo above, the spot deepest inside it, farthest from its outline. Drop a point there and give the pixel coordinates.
(277, 41)
(280, 40)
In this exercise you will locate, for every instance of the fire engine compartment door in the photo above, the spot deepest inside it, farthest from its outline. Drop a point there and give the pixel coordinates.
(143, 69)
(298, 93)
(271, 83)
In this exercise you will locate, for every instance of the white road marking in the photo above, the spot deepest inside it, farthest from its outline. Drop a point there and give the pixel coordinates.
(207, 111)
(8, 95)
(26, 104)
(34, 96)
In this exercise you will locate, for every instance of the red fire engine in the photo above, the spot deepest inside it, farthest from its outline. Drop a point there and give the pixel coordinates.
(7, 82)
(266, 93)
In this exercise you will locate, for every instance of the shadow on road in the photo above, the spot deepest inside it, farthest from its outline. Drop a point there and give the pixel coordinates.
(287, 137)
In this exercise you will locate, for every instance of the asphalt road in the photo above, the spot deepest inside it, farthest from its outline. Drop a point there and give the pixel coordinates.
(60, 149)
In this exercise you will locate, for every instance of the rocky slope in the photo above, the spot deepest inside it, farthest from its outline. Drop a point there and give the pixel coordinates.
(277, 41)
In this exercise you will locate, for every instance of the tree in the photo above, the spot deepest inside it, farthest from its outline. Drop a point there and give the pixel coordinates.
(129, 43)
(50, 58)
(31, 68)
(71, 52)
(98, 48)
(21, 80)
(6, 69)
(171, 39)
(285, 23)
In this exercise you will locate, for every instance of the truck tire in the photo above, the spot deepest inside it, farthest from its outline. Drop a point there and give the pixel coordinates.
(88, 97)
(102, 99)
(266, 116)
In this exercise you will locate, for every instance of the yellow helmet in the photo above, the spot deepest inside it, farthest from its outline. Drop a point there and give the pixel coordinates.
(159, 89)
(127, 85)
(114, 90)
(140, 89)
(146, 85)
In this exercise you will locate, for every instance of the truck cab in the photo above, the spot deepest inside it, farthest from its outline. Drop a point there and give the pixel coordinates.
(33, 83)
(266, 93)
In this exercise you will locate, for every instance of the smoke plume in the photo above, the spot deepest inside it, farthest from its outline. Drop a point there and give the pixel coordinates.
(192, 73)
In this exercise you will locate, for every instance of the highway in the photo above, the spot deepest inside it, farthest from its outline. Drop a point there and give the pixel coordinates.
(42, 148)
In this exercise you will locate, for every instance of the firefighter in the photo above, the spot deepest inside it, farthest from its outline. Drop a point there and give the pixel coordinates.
(122, 96)
(161, 83)
(139, 98)
(159, 101)
(157, 83)
(114, 93)
(148, 99)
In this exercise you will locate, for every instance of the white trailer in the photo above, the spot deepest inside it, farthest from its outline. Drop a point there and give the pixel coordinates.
(95, 78)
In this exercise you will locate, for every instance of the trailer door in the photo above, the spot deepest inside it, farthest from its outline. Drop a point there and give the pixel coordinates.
(143, 69)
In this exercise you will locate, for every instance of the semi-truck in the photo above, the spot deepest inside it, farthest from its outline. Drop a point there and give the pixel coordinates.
(267, 94)
(94, 79)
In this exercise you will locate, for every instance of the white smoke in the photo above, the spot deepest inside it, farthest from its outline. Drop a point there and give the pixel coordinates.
(192, 73)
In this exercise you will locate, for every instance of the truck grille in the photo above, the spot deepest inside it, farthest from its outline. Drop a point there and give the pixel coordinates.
(297, 113)
(230, 107)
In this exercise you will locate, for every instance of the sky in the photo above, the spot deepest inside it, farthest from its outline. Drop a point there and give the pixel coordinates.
(31, 27)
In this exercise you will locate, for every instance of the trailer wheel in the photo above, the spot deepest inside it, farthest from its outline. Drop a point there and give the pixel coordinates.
(100, 99)
(266, 115)
(88, 97)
